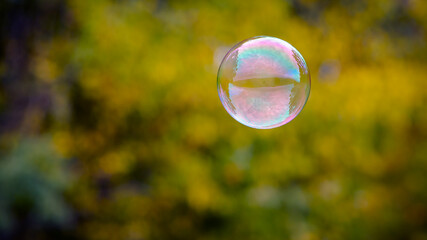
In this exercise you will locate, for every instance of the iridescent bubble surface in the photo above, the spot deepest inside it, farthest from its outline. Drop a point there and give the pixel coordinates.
(263, 82)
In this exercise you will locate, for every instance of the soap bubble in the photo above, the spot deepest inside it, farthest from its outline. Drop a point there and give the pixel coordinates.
(263, 82)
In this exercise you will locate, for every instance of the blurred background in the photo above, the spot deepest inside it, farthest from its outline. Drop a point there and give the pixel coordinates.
(111, 126)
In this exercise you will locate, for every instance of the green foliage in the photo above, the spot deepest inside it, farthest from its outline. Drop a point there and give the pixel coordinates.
(32, 180)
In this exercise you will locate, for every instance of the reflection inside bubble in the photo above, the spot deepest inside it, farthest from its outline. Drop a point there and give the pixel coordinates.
(263, 82)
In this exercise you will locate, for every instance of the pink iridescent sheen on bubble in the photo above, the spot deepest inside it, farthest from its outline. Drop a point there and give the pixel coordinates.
(263, 82)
